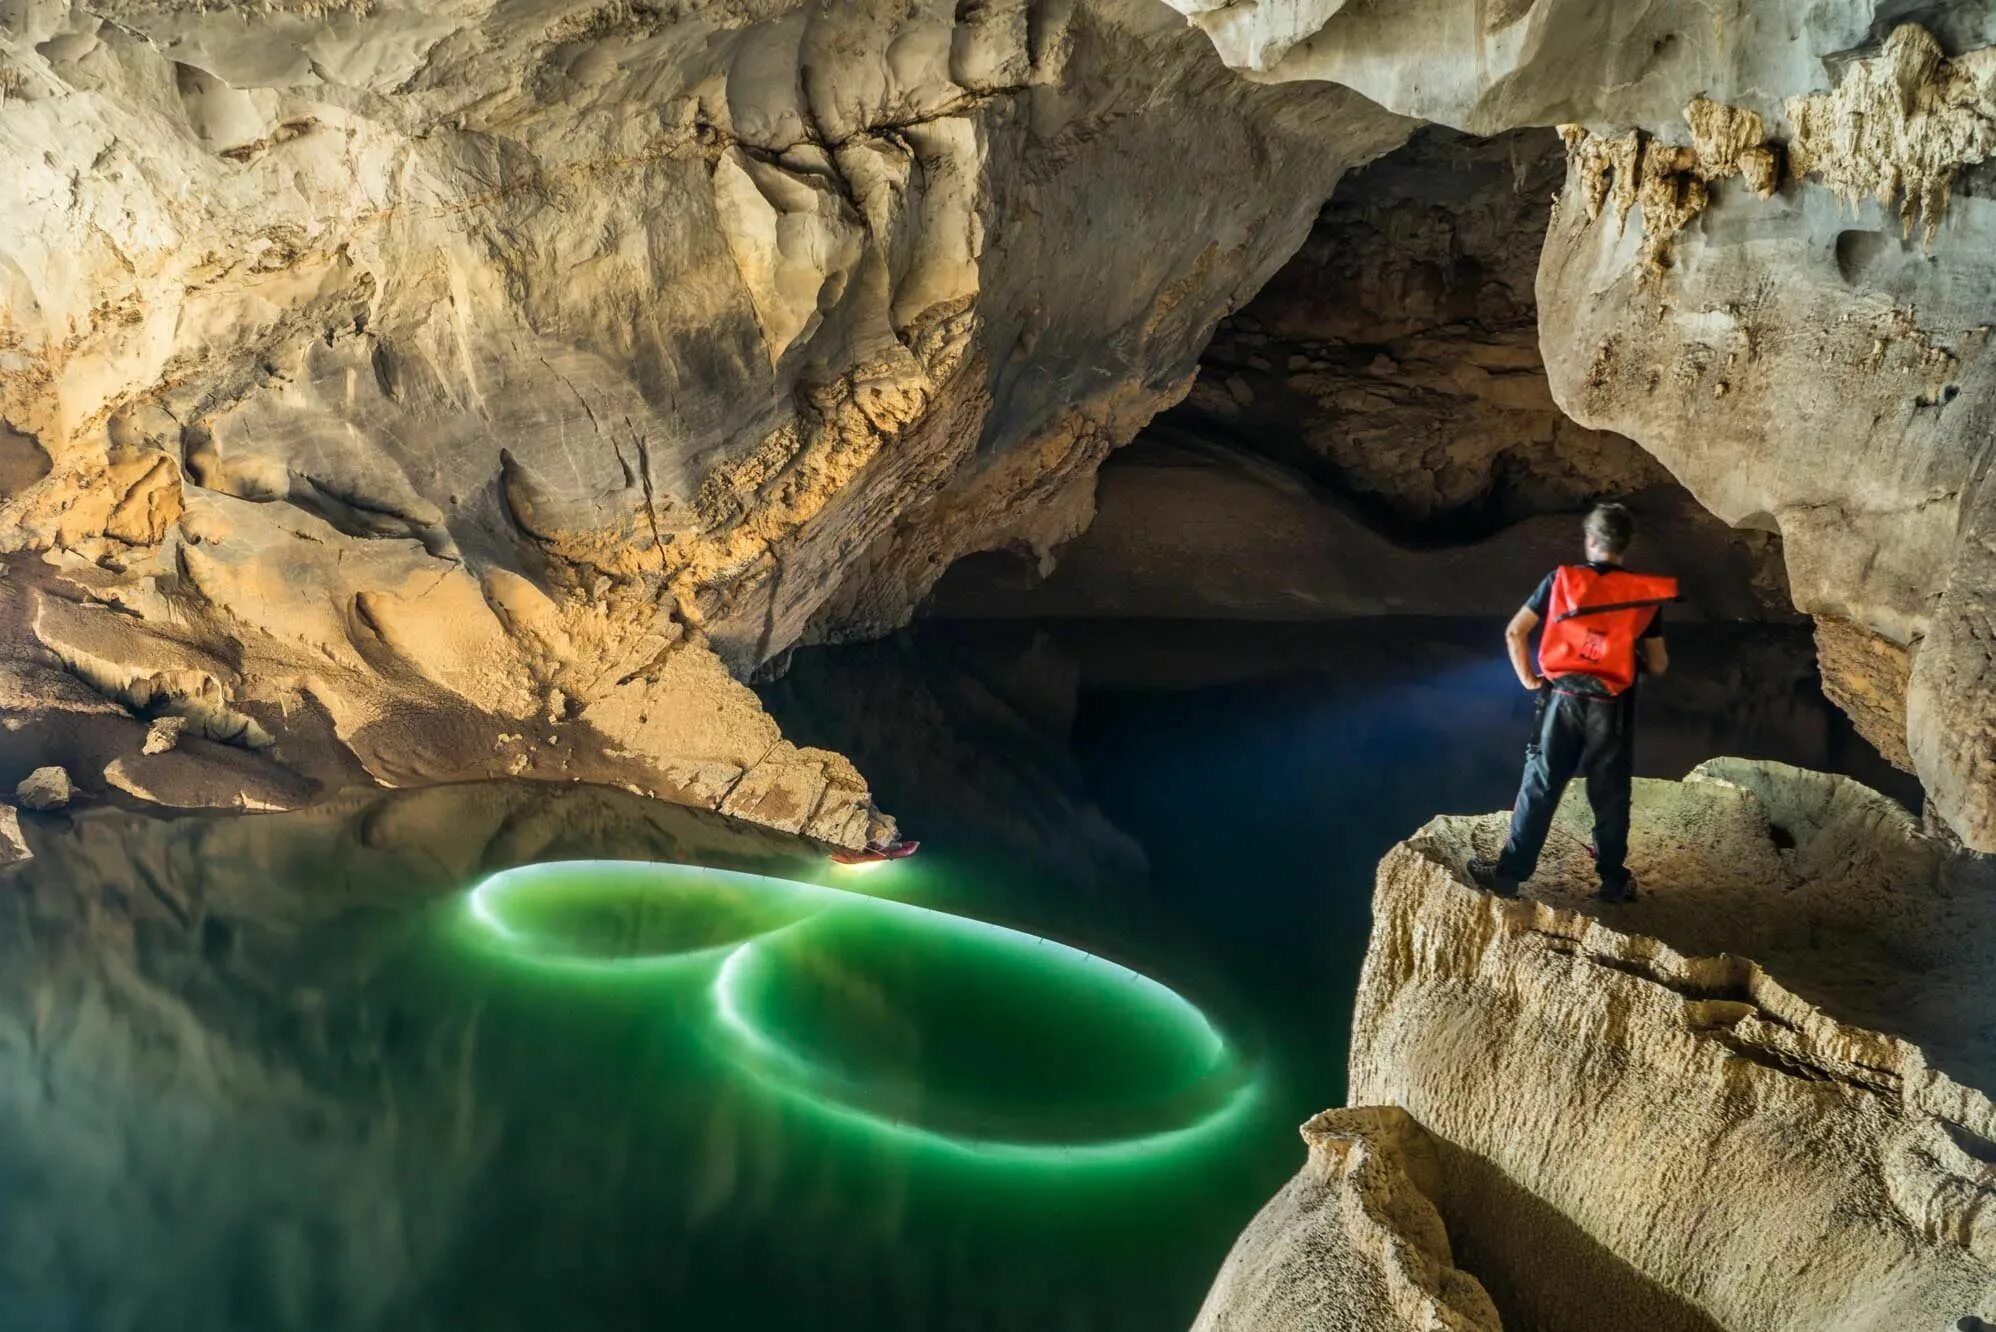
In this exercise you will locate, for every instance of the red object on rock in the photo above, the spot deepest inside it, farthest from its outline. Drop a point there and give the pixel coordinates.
(874, 854)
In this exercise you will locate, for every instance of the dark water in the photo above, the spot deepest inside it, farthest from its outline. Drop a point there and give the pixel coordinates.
(289, 1071)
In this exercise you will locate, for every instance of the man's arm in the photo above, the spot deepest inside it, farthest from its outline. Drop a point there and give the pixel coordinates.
(1518, 642)
(1656, 657)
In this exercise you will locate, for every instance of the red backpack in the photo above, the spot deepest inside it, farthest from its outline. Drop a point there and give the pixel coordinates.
(1595, 619)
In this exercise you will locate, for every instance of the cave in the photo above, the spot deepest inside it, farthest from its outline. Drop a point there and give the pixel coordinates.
(825, 664)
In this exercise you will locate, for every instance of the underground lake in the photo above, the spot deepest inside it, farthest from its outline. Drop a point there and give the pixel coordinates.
(516, 1055)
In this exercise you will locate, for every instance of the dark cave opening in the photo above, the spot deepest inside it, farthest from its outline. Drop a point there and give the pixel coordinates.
(1373, 433)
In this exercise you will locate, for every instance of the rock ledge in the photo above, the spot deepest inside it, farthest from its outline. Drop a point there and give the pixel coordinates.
(1636, 1125)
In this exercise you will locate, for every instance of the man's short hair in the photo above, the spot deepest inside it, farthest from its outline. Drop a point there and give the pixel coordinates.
(1610, 527)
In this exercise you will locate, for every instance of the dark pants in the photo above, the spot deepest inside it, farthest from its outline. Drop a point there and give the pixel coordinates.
(1574, 733)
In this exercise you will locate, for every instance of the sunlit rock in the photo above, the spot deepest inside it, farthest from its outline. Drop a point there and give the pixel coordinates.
(45, 788)
(13, 846)
(405, 394)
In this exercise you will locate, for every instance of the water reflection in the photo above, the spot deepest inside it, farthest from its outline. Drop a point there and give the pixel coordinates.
(997, 1046)
(275, 1072)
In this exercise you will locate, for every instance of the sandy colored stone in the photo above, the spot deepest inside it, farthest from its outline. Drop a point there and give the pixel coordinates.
(13, 845)
(1753, 1099)
(206, 776)
(1900, 127)
(1352, 1243)
(1669, 185)
(45, 788)
(388, 380)
(1866, 675)
(163, 734)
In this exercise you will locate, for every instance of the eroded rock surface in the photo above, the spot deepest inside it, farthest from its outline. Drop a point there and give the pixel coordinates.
(1397, 352)
(404, 393)
(1353, 1244)
(1755, 1098)
(1375, 434)
(1491, 65)
(1808, 365)
(1770, 266)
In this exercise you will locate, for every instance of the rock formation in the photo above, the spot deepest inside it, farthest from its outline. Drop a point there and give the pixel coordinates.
(1353, 1244)
(399, 393)
(1819, 334)
(1755, 1098)
(1204, 531)
(1396, 355)
(1374, 434)
(1770, 266)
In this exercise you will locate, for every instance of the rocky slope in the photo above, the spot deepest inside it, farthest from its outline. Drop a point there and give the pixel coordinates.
(1756, 1098)
(403, 391)
(1770, 266)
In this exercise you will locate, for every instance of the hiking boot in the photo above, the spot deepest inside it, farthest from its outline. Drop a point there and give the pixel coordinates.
(1622, 890)
(1485, 875)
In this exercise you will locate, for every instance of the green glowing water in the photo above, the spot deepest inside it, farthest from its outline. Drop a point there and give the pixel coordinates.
(921, 1028)
(607, 915)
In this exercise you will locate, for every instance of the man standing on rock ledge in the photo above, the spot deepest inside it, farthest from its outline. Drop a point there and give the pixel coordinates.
(1600, 622)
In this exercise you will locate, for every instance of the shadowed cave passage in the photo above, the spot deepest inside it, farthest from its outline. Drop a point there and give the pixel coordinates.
(1210, 801)
(1276, 651)
(1374, 434)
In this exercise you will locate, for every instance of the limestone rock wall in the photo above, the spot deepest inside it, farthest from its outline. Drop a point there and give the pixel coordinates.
(1397, 352)
(1796, 1141)
(1203, 530)
(406, 391)
(1487, 66)
(1353, 1244)
(1819, 365)
(1770, 266)
(1375, 434)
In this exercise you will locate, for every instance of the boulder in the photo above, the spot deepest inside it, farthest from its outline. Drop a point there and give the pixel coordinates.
(1352, 1244)
(45, 788)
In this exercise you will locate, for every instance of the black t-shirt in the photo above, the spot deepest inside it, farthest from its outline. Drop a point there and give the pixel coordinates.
(1541, 601)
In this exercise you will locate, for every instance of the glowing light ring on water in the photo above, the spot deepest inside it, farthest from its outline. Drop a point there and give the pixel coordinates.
(771, 908)
(799, 1074)
(486, 904)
